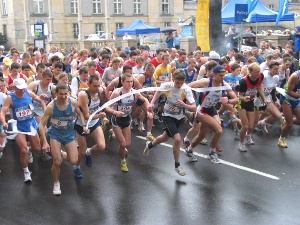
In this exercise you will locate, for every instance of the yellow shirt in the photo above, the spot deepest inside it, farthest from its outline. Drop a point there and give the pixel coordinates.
(161, 73)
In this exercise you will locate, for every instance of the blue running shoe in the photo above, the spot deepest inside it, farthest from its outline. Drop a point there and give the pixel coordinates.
(77, 173)
(88, 160)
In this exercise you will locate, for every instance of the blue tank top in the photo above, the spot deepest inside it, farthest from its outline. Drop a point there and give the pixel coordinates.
(184, 65)
(148, 82)
(188, 78)
(23, 112)
(297, 87)
(62, 119)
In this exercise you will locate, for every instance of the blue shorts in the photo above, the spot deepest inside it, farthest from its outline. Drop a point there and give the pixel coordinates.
(63, 136)
(293, 104)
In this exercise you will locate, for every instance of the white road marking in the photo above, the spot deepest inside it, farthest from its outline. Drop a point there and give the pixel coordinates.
(225, 163)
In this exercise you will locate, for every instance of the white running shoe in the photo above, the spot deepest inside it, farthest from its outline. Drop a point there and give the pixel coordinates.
(56, 189)
(27, 177)
(180, 171)
(242, 147)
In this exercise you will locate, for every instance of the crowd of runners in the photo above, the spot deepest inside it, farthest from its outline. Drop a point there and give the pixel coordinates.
(52, 101)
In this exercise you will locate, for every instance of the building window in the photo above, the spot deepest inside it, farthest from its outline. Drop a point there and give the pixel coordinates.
(4, 29)
(75, 30)
(74, 7)
(167, 24)
(165, 6)
(119, 26)
(38, 6)
(99, 28)
(271, 7)
(4, 7)
(117, 6)
(97, 7)
(137, 6)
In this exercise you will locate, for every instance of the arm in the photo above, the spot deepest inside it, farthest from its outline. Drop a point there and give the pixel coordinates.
(32, 87)
(137, 84)
(7, 104)
(233, 98)
(42, 126)
(110, 88)
(110, 110)
(292, 82)
(38, 99)
(76, 108)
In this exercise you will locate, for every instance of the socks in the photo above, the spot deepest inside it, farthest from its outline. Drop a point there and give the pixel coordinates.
(123, 160)
(26, 170)
(88, 151)
(177, 164)
(76, 167)
(186, 139)
(148, 133)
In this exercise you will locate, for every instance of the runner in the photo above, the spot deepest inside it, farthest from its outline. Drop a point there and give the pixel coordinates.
(61, 111)
(173, 114)
(207, 113)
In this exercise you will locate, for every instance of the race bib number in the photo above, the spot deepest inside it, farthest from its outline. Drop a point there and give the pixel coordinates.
(23, 113)
(59, 123)
(251, 93)
(172, 109)
(211, 102)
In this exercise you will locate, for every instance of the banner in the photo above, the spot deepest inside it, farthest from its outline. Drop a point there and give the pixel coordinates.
(282, 10)
(251, 5)
(202, 25)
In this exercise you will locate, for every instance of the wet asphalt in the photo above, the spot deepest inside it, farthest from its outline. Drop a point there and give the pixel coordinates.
(257, 187)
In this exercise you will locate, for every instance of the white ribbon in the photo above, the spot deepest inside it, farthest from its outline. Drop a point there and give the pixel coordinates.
(282, 92)
(110, 102)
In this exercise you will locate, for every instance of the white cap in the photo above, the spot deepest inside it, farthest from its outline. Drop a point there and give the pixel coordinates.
(215, 56)
(20, 83)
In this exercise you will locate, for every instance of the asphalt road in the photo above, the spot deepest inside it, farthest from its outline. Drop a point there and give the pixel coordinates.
(257, 187)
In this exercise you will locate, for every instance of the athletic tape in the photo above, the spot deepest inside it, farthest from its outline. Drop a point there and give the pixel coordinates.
(110, 102)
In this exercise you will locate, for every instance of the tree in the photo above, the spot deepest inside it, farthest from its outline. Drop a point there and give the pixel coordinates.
(3, 39)
(215, 26)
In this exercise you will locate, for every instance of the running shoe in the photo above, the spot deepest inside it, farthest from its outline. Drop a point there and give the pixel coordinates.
(124, 167)
(150, 137)
(88, 160)
(236, 130)
(213, 157)
(249, 140)
(56, 189)
(282, 143)
(204, 142)
(282, 122)
(263, 126)
(30, 157)
(111, 135)
(242, 147)
(180, 171)
(44, 156)
(146, 150)
(77, 173)
(186, 144)
(189, 153)
(142, 128)
(155, 116)
(27, 177)
(1, 154)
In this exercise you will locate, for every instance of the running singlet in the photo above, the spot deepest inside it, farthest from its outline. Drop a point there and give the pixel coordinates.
(268, 84)
(93, 105)
(38, 110)
(184, 65)
(252, 89)
(11, 80)
(100, 68)
(189, 78)
(62, 119)
(23, 112)
(174, 94)
(125, 104)
(233, 81)
(209, 99)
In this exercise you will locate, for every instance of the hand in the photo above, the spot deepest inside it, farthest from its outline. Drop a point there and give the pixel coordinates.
(44, 96)
(150, 107)
(223, 100)
(5, 126)
(180, 103)
(46, 147)
(119, 113)
(101, 115)
(247, 99)
(86, 130)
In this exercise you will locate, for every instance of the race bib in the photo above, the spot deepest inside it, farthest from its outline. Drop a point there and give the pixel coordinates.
(162, 78)
(58, 123)
(23, 113)
(172, 109)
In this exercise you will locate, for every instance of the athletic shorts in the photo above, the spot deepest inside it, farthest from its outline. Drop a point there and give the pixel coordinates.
(171, 125)
(248, 106)
(262, 108)
(120, 122)
(293, 104)
(207, 111)
(79, 129)
(63, 136)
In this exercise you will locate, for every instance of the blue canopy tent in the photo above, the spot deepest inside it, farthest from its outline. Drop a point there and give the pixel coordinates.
(138, 27)
(260, 13)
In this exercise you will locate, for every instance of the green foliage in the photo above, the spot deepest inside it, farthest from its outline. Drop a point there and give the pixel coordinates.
(3, 39)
